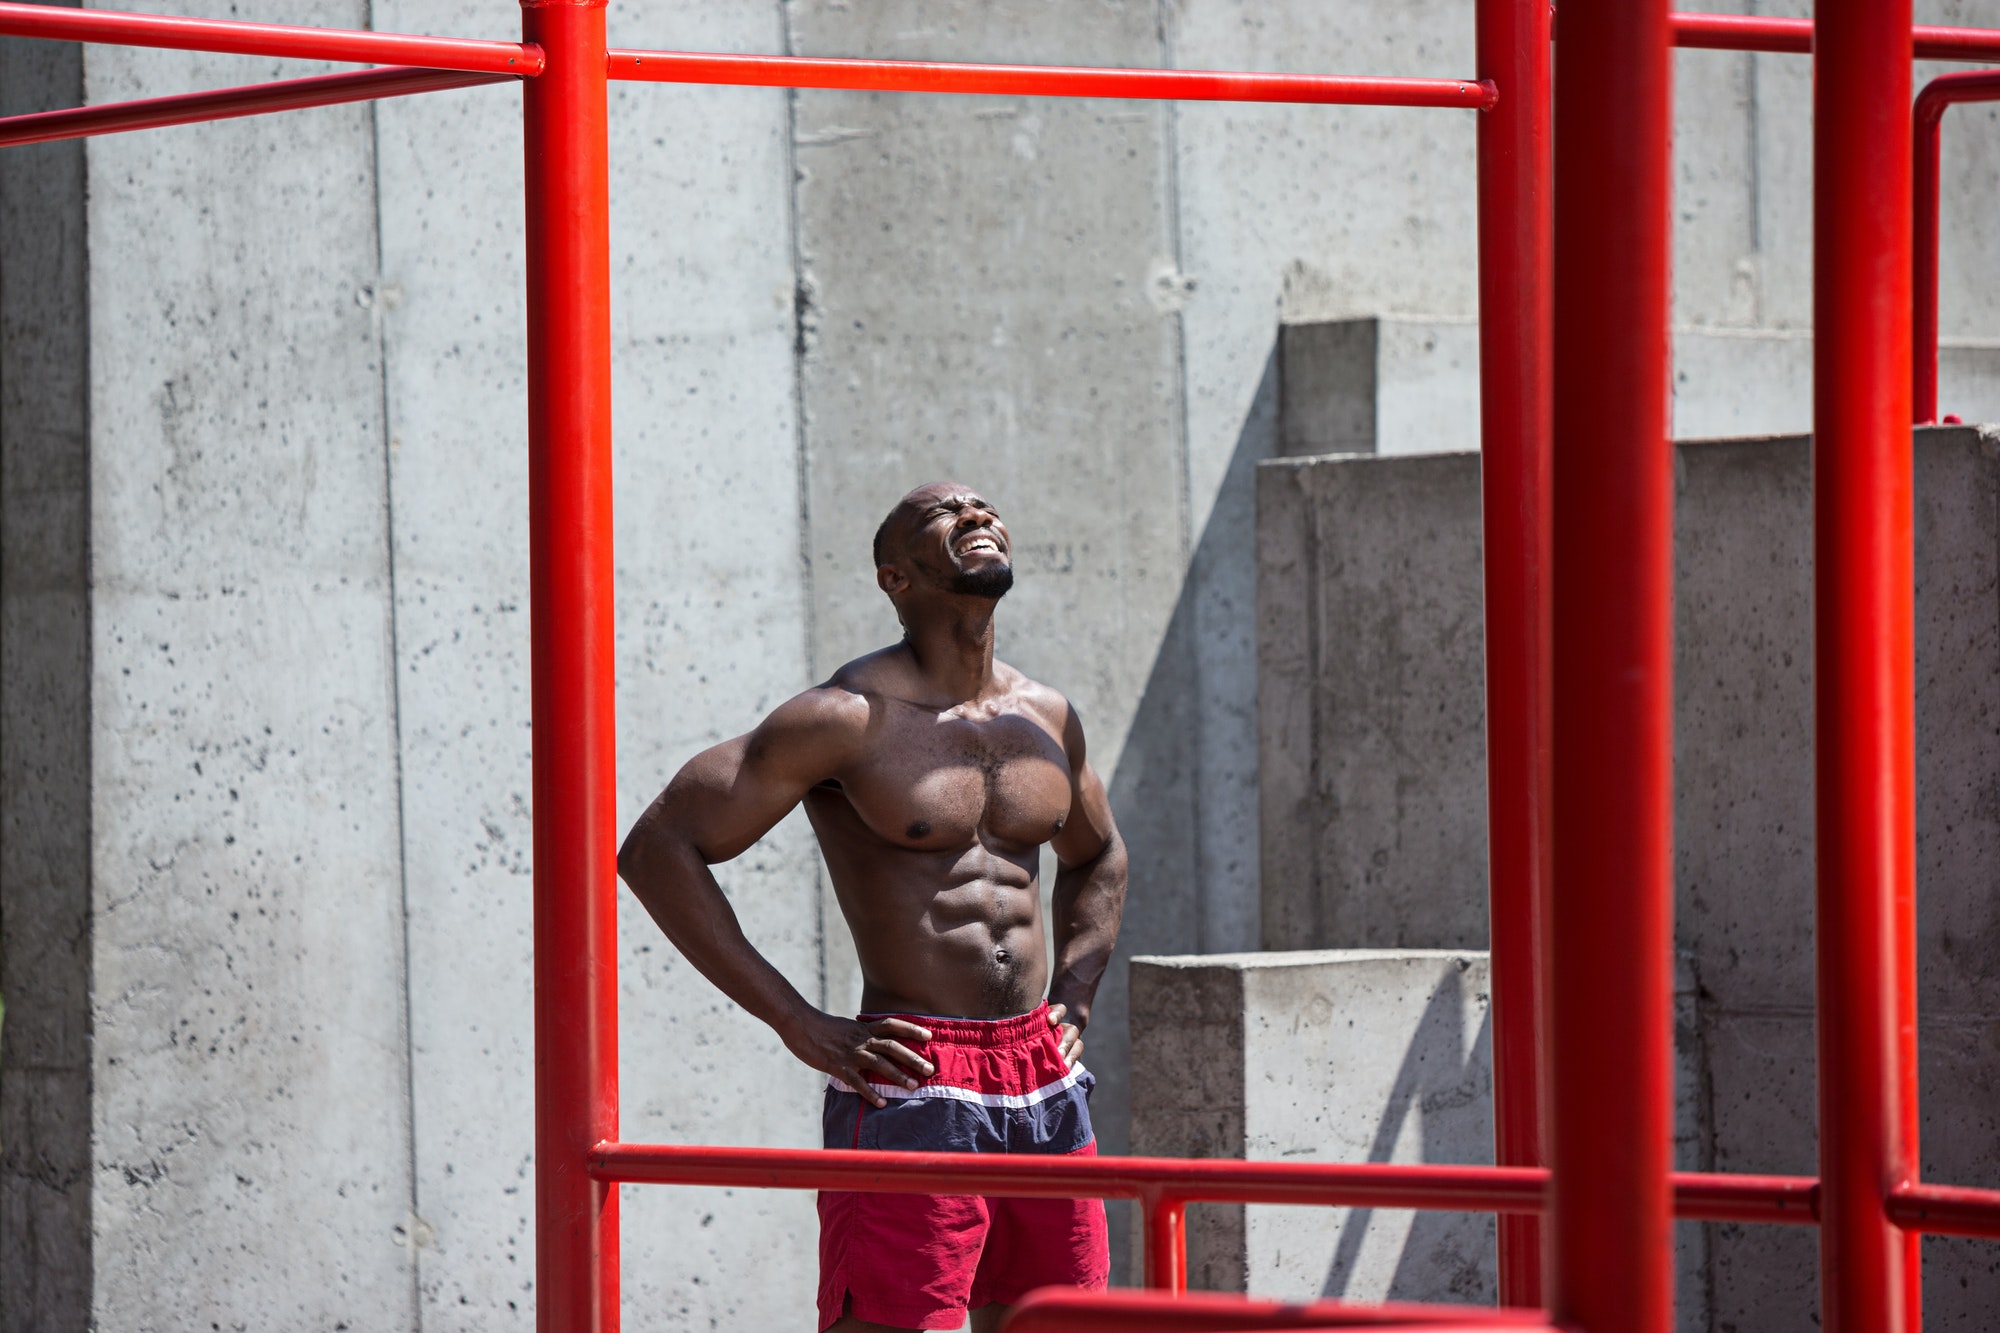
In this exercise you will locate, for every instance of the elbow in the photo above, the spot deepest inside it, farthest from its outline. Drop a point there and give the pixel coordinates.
(638, 851)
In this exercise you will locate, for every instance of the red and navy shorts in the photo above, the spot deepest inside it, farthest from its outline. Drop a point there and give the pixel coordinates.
(923, 1261)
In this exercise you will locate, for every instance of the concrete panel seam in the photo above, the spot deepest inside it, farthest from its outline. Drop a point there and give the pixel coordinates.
(1170, 169)
(391, 612)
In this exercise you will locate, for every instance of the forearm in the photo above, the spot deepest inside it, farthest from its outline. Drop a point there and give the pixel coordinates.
(678, 890)
(1087, 905)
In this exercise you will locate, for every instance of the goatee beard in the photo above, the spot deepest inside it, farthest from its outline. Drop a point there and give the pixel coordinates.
(992, 582)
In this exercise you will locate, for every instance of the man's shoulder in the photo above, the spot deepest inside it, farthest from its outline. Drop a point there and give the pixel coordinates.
(882, 673)
(828, 711)
(1044, 700)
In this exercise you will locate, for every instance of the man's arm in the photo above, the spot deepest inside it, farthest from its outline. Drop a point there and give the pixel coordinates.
(720, 803)
(1089, 897)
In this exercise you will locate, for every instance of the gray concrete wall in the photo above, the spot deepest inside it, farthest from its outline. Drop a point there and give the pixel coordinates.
(248, 1058)
(1374, 821)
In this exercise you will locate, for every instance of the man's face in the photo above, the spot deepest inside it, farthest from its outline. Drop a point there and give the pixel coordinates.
(957, 538)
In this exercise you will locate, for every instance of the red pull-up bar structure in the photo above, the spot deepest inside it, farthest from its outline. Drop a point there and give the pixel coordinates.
(1577, 514)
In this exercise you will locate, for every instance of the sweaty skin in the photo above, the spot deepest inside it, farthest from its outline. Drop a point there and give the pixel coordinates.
(932, 775)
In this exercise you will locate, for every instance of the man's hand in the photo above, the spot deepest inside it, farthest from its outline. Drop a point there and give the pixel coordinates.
(1068, 1035)
(852, 1051)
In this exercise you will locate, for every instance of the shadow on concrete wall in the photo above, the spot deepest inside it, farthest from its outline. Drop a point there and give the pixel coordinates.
(1185, 789)
(1445, 1256)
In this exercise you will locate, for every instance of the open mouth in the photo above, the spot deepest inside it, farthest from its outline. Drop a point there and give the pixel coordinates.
(978, 541)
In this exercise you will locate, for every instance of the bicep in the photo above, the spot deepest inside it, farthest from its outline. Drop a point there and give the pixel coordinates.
(1089, 829)
(730, 795)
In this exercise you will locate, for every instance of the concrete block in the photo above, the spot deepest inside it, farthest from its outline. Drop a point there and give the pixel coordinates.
(1410, 385)
(1384, 384)
(1340, 1056)
(1370, 669)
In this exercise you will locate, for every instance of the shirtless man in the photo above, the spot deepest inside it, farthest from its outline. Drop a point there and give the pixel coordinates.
(932, 775)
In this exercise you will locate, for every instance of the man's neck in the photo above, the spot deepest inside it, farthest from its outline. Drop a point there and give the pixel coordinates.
(953, 647)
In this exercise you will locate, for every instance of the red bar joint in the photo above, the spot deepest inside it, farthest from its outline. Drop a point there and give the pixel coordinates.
(1946, 90)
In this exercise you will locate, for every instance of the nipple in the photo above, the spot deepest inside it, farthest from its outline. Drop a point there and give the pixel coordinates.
(920, 829)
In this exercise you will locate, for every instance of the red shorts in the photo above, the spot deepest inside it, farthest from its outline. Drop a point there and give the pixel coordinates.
(923, 1261)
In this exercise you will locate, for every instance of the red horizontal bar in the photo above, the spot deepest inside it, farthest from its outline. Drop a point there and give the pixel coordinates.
(227, 103)
(229, 37)
(1714, 1198)
(1369, 1184)
(1742, 32)
(1946, 1210)
(1062, 1310)
(912, 76)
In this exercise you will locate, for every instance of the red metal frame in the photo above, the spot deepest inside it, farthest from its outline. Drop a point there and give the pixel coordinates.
(1516, 245)
(1864, 664)
(916, 76)
(1056, 1311)
(230, 37)
(1945, 91)
(1784, 36)
(1577, 517)
(567, 188)
(1611, 1010)
(227, 103)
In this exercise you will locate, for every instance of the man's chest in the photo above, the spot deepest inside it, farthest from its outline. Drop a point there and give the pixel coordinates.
(943, 782)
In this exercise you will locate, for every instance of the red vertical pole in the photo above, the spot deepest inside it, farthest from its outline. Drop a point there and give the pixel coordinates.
(1611, 908)
(1929, 117)
(1165, 1219)
(1864, 662)
(570, 587)
(1515, 312)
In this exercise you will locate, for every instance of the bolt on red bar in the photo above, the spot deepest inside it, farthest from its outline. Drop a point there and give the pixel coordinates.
(914, 76)
(1611, 910)
(1516, 239)
(1864, 663)
(573, 666)
(230, 37)
(228, 103)
(1790, 36)
(1947, 90)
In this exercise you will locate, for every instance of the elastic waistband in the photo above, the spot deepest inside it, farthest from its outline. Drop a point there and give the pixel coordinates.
(977, 1031)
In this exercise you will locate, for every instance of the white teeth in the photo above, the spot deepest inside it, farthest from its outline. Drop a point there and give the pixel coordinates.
(981, 544)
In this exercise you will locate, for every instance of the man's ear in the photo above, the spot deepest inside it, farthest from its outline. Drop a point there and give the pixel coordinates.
(891, 579)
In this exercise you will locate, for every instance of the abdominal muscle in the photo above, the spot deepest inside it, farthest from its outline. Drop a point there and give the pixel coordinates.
(949, 934)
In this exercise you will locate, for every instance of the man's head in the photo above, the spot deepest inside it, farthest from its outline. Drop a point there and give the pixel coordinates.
(943, 538)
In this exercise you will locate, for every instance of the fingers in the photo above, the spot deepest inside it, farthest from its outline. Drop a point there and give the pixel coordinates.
(1057, 1012)
(898, 1028)
(904, 1056)
(1072, 1044)
(858, 1080)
